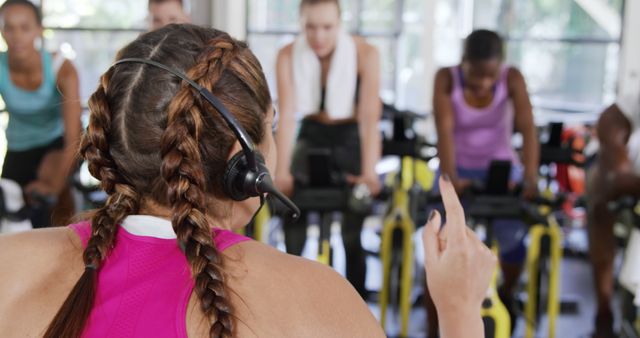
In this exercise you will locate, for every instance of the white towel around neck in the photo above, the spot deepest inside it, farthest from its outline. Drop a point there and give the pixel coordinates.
(341, 80)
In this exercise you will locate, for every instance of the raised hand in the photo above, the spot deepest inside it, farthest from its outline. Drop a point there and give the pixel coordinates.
(459, 268)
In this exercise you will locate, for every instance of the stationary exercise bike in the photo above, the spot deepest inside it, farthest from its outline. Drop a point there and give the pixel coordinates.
(323, 196)
(495, 201)
(93, 197)
(256, 229)
(545, 248)
(406, 187)
(15, 213)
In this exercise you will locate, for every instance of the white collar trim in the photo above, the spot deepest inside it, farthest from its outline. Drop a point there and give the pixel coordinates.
(148, 226)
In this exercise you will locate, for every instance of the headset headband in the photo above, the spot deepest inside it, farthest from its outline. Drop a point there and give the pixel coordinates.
(236, 128)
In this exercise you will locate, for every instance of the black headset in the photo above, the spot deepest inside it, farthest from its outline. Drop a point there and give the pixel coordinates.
(246, 174)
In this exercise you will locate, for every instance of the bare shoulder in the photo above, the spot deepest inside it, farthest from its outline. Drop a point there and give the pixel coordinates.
(515, 77)
(285, 53)
(67, 69)
(443, 74)
(367, 52)
(53, 251)
(39, 268)
(302, 296)
(443, 80)
(514, 72)
(364, 46)
(67, 79)
(37, 249)
(613, 121)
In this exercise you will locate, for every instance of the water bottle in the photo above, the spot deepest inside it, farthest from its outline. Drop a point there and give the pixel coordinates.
(339, 256)
(312, 244)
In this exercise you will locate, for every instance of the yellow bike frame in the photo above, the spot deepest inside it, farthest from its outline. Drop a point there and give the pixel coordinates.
(399, 217)
(536, 234)
(260, 222)
(324, 256)
(497, 311)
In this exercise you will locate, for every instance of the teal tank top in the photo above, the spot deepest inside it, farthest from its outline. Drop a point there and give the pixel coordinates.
(35, 117)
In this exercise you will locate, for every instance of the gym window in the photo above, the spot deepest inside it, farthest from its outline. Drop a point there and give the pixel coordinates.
(394, 27)
(89, 33)
(568, 50)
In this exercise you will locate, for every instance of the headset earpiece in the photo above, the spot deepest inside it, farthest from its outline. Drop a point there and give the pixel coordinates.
(242, 178)
(241, 182)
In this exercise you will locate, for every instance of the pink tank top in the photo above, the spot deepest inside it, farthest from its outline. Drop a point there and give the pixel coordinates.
(145, 284)
(482, 134)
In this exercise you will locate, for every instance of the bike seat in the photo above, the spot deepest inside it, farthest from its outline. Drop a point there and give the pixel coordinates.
(559, 155)
(400, 148)
(491, 206)
(321, 199)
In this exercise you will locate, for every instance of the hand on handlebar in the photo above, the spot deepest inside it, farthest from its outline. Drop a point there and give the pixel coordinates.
(530, 189)
(459, 268)
(42, 188)
(461, 185)
(621, 183)
(371, 181)
(40, 191)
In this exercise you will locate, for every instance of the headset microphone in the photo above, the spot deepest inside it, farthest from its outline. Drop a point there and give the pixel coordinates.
(246, 174)
(266, 185)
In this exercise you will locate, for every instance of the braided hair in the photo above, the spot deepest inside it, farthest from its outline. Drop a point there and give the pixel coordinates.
(151, 137)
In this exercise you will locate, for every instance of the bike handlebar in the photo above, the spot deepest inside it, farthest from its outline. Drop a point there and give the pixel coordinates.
(623, 203)
(561, 155)
(503, 206)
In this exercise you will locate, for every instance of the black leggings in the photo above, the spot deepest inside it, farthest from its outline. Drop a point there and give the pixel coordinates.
(296, 235)
(22, 167)
(343, 140)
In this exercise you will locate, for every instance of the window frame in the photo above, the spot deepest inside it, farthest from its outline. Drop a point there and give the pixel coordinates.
(566, 106)
(356, 28)
(45, 41)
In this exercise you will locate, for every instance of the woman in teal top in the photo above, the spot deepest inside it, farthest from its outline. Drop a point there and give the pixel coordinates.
(41, 94)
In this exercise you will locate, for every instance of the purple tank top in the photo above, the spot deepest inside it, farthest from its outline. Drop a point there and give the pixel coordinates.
(484, 134)
(145, 284)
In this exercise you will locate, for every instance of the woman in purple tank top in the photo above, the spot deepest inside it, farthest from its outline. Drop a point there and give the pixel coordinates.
(161, 258)
(477, 104)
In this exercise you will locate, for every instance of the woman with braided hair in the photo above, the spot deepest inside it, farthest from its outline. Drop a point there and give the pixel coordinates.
(160, 258)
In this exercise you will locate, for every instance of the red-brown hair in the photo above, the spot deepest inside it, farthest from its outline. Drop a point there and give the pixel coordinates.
(152, 137)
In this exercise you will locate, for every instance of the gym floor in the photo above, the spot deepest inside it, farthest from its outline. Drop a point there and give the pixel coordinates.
(578, 324)
(576, 288)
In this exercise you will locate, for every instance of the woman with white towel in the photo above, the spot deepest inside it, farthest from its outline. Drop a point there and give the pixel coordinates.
(329, 80)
